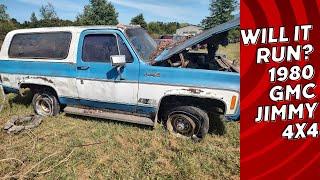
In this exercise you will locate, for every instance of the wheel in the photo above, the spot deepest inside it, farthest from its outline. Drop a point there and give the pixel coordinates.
(45, 103)
(188, 122)
(216, 124)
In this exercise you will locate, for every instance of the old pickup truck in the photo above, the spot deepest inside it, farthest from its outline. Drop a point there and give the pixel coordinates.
(108, 72)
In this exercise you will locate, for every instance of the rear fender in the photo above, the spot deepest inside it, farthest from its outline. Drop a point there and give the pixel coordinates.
(39, 81)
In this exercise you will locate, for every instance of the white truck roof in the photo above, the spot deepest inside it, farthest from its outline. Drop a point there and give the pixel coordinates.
(75, 31)
(71, 28)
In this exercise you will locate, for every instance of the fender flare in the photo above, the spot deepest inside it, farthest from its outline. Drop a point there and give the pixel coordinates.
(40, 82)
(196, 93)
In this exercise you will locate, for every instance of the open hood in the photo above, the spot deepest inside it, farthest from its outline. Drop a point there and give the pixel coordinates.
(168, 53)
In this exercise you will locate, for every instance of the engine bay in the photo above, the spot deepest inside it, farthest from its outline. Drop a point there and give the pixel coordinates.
(199, 60)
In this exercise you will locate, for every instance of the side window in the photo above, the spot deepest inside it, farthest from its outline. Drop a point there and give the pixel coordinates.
(51, 45)
(124, 50)
(99, 48)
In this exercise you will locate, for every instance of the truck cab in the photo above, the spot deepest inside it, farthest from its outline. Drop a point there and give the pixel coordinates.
(107, 72)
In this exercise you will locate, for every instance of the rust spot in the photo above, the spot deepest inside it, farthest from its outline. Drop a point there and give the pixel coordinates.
(194, 91)
(45, 79)
(42, 78)
(5, 79)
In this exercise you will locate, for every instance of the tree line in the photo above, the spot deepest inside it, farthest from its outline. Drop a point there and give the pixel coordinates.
(102, 12)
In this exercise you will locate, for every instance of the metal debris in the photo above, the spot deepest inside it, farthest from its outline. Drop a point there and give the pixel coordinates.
(17, 123)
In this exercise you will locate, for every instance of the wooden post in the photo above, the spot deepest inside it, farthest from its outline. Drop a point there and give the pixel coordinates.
(2, 97)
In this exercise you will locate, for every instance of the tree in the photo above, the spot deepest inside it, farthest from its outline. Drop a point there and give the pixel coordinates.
(172, 27)
(34, 22)
(49, 18)
(5, 27)
(33, 18)
(4, 16)
(48, 12)
(98, 12)
(139, 20)
(6, 24)
(156, 29)
(221, 12)
(234, 35)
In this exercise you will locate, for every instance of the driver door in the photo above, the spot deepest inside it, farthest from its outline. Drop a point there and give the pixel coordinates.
(98, 82)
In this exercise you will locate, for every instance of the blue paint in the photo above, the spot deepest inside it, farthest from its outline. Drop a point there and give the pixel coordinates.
(8, 90)
(190, 77)
(234, 117)
(133, 72)
(170, 76)
(103, 71)
(150, 111)
(98, 70)
(38, 68)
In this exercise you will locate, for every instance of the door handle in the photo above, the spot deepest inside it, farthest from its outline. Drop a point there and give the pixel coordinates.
(83, 68)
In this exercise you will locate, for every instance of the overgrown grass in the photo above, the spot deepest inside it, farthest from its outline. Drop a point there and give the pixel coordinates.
(77, 147)
(232, 51)
(2, 96)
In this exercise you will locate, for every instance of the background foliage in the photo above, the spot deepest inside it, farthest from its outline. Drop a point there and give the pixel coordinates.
(102, 12)
(83, 148)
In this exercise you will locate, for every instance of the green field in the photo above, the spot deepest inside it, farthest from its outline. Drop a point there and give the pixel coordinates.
(77, 147)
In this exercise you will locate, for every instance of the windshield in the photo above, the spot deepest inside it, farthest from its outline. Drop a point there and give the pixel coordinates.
(142, 42)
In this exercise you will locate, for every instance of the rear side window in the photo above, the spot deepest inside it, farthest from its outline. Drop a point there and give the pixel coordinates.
(53, 45)
(99, 48)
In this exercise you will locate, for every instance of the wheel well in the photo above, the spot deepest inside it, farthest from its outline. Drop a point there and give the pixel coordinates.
(206, 104)
(34, 88)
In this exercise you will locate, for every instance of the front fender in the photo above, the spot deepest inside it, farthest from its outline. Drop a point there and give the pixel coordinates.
(224, 96)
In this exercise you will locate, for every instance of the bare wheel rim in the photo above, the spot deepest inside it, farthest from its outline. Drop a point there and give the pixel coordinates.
(181, 125)
(44, 105)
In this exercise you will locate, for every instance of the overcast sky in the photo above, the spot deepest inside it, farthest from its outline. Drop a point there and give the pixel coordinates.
(190, 11)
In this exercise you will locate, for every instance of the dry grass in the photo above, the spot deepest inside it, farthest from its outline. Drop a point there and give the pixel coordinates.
(232, 51)
(75, 147)
(1, 97)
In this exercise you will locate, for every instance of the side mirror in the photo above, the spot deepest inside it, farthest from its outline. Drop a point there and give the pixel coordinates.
(118, 60)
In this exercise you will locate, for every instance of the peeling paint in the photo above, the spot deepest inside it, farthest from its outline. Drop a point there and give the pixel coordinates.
(5, 79)
(42, 78)
(194, 91)
(45, 79)
(147, 101)
(152, 74)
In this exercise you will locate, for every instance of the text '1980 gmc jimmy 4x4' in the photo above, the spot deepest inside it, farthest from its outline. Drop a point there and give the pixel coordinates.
(107, 72)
